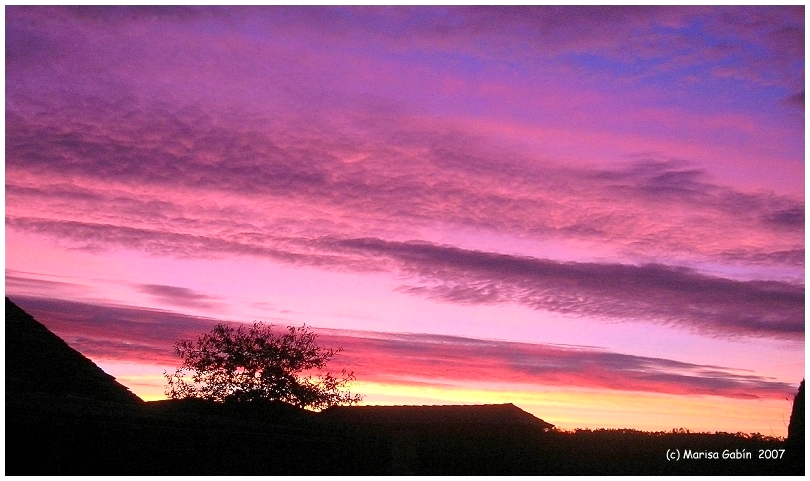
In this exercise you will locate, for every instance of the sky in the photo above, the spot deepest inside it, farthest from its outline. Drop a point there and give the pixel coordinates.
(594, 213)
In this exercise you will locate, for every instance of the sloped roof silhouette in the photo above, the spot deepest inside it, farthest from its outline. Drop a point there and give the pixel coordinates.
(478, 414)
(38, 361)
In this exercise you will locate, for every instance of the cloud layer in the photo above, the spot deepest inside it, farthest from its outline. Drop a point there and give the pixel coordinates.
(615, 291)
(186, 173)
(129, 334)
(656, 293)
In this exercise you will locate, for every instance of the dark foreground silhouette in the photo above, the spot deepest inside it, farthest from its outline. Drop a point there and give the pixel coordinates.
(65, 416)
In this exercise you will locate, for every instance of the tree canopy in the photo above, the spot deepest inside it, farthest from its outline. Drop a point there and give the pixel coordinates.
(251, 363)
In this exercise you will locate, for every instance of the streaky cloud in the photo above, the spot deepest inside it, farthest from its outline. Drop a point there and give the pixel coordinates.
(179, 296)
(192, 172)
(657, 293)
(127, 333)
(676, 296)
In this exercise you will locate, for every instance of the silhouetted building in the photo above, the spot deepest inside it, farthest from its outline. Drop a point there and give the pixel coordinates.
(473, 439)
(38, 361)
(480, 415)
(795, 440)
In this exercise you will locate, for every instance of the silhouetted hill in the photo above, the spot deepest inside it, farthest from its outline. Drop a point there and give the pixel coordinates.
(38, 361)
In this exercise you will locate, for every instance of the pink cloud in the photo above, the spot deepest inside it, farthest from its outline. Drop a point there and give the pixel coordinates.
(648, 293)
(247, 180)
(185, 186)
(117, 333)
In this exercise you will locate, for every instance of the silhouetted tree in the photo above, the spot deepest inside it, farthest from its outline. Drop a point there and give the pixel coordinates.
(251, 363)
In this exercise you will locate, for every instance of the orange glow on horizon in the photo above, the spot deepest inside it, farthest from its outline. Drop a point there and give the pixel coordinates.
(566, 408)
(570, 408)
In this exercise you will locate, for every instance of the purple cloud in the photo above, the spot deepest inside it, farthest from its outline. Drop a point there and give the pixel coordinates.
(179, 296)
(656, 293)
(675, 296)
(22, 283)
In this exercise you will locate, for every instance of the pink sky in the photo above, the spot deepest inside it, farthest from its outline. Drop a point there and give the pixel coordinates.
(596, 213)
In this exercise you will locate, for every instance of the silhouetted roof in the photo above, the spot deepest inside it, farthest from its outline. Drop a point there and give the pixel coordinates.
(38, 361)
(486, 414)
